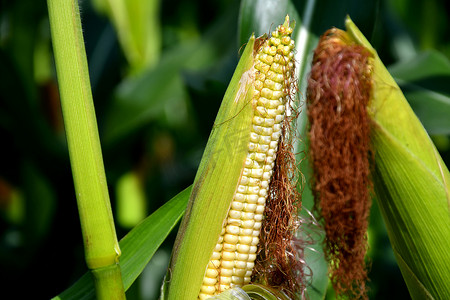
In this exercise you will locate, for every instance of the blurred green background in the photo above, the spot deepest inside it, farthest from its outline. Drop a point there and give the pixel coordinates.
(159, 70)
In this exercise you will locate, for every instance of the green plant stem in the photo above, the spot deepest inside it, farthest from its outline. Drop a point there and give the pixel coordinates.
(108, 282)
(100, 242)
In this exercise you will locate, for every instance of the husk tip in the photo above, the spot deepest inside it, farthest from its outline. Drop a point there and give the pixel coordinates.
(357, 35)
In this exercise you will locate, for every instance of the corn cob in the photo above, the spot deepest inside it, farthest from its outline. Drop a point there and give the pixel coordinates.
(232, 260)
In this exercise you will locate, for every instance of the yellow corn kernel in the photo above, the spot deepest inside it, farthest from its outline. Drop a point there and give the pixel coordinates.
(240, 235)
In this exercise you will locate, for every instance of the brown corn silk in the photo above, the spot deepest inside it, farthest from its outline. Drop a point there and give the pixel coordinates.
(280, 261)
(339, 89)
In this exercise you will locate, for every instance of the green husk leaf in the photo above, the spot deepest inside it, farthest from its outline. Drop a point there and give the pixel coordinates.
(235, 293)
(412, 185)
(214, 185)
(260, 292)
(417, 289)
(251, 291)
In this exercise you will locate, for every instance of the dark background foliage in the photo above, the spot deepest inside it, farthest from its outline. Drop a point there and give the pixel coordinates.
(154, 124)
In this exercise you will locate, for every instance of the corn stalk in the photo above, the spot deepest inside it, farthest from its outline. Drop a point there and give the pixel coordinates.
(100, 242)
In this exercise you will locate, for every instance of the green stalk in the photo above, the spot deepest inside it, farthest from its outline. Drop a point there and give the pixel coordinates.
(100, 242)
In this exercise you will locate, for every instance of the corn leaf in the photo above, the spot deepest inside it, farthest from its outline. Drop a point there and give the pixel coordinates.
(214, 185)
(138, 246)
(412, 185)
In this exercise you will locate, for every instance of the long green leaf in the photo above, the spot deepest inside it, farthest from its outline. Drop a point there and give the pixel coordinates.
(138, 246)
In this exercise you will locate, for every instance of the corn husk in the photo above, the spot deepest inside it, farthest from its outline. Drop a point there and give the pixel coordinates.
(412, 185)
(214, 185)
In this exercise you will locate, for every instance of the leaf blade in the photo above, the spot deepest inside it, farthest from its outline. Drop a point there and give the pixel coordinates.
(138, 246)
